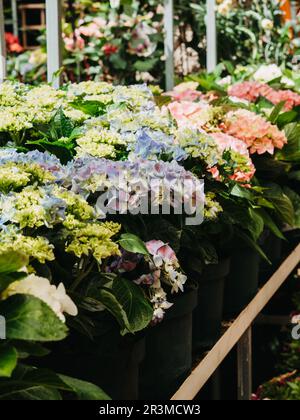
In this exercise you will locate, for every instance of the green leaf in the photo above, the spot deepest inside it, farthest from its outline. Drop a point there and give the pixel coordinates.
(7, 279)
(240, 192)
(12, 261)
(145, 65)
(257, 226)
(281, 202)
(128, 304)
(291, 151)
(276, 112)
(61, 149)
(23, 391)
(111, 303)
(288, 117)
(30, 348)
(8, 360)
(133, 243)
(29, 383)
(62, 124)
(94, 108)
(118, 62)
(85, 390)
(295, 199)
(28, 318)
(270, 223)
(162, 100)
(137, 308)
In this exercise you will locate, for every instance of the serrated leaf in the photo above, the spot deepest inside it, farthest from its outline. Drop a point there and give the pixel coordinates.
(28, 318)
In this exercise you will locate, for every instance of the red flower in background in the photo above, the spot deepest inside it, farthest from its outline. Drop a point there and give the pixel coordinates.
(12, 43)
(109, 49)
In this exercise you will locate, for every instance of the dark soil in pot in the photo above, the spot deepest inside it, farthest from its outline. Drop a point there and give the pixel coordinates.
(168, 357)
(207, 317)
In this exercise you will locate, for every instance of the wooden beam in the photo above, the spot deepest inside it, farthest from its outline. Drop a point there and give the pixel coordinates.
(244, 364)
(2, 45)
(54, 40)
(215, 357)
(169, 42)
(211, 36)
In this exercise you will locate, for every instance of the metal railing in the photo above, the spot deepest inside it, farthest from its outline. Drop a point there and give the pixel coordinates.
(54, 40)
(239, 333)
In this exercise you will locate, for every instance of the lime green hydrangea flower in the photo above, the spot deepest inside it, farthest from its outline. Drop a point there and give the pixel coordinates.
(93, 239)
(37, 248)
(199, 146)
(100, 143)
(15, 119)
(14, 176)
(76, 206)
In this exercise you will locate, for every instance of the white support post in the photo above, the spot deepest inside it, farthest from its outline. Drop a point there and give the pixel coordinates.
(294, 9)
(14, 10)
(211, 35)
(2, 45)
(169, 42)
(54, 40)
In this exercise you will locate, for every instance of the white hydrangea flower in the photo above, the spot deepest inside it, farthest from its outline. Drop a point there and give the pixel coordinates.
(267, 73)
(55, 297)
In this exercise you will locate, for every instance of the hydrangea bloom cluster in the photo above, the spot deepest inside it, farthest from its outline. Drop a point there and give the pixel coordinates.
(251, 91)
(53, 206)
(100, 143)
(21, 106)
(225, 157)
(259, 135)
(129, 185)
(36, 248)
(14, 176)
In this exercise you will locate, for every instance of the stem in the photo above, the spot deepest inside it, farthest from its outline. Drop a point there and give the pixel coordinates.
(81, 277)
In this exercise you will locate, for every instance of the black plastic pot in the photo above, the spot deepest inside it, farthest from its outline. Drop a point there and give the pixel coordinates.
(207, 317)
(273, 248)
(168, 357)
(242, 282)
(109, 361)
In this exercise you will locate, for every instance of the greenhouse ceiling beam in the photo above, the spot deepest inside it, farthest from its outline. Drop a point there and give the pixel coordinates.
(169, 42)
(54, 41)
(2, 45)
(211, 36)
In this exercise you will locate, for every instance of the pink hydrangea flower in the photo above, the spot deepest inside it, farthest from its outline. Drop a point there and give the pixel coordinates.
(74, 43)
(251, 91)
(162, 250)
(259, 135)
(188, 113)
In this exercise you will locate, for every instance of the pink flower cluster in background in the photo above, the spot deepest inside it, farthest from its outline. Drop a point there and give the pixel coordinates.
(259, 135)
(190, 114)
(251, 91)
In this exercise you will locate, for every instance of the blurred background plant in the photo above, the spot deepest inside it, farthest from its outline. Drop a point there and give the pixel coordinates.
(122, 40)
